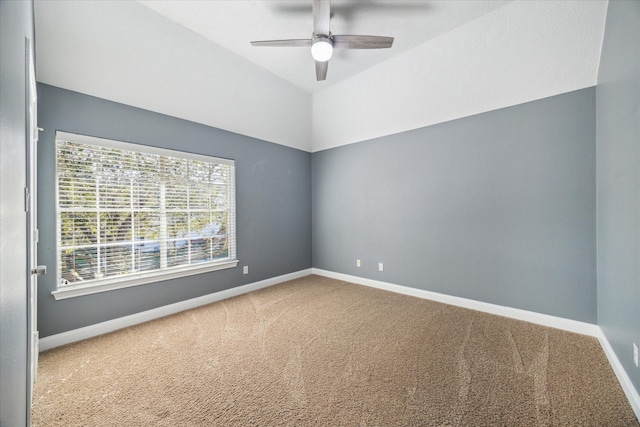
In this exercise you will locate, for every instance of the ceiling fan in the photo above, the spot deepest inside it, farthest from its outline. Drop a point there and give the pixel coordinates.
(322, 42)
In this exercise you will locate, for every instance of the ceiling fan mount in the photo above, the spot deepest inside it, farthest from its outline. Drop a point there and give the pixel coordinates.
(322, 42)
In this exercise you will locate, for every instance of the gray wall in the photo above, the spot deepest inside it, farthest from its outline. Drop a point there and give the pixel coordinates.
(273, 201)
(618, 121)
(16, 25)
(497, 207)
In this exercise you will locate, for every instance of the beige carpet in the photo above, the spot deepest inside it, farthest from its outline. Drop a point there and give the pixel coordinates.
(317, 351)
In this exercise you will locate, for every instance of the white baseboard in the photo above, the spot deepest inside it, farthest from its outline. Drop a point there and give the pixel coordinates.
(79, 334)
(623, 378)
(515, 313)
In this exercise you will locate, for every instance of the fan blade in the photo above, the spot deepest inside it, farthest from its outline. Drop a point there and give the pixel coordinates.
(283, 43)
(362, 42)
(321, 70)
(321, 17)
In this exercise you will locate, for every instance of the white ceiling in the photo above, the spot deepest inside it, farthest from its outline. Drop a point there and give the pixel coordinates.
(232, 24)
(193, 60)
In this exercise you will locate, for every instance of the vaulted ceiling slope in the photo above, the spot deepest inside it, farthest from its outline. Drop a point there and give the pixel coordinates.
(125, 52)
(524, 51)
(193, 60)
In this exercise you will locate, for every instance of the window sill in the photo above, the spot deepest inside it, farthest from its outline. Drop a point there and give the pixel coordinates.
(71, 291)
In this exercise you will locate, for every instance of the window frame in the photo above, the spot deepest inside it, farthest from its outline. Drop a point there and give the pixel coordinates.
(140, 278)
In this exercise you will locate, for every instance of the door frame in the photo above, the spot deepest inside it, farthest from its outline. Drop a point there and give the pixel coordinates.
(31, 142)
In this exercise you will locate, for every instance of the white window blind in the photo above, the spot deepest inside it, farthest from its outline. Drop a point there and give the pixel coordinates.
(126, 212)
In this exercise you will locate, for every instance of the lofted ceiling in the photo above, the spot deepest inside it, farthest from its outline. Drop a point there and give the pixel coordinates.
(193, 60)
(233, 24)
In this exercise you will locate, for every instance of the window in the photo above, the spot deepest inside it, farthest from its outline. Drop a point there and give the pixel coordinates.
(130, 214)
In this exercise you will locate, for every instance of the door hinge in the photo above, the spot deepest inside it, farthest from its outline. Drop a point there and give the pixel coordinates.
(27, 199)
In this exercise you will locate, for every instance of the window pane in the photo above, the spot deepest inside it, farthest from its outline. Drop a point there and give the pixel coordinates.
(115, 227)
(118, 260)
(219, 197)
(174, 170)
(78, 228)
(146, 195)
(200, 225)
(199, 195)
(220, 248)
(177, 253)
(115, 193)
(177, 195)
(147, 257)
(79, 264)
(177, 225)
(73, 191)
(147, 226)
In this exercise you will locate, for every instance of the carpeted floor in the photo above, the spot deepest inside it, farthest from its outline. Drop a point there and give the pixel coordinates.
(317, 351)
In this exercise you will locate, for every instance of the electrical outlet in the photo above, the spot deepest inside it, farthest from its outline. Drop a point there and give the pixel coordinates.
(635, 354)
(245, 269)
(380, 267)
(357, 263)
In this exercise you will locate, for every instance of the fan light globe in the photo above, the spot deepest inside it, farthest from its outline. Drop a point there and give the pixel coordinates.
(321, 49)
